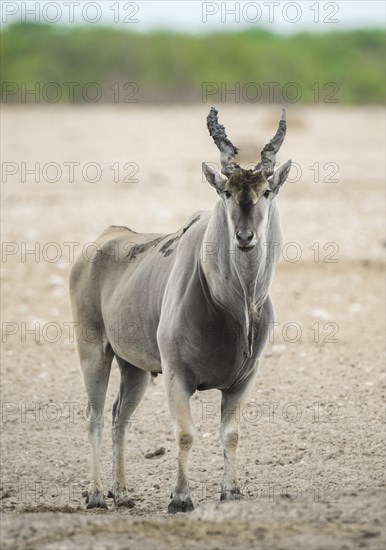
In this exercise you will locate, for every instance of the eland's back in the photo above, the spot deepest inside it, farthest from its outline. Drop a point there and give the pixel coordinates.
(118, 283)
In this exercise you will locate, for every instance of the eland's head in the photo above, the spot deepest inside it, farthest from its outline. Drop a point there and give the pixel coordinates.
(246, 194)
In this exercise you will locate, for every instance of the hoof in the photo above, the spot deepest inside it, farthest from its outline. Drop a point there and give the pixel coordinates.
(122, 499)
(232, 494)
(95, 499)
(125, 502)
(180, 505)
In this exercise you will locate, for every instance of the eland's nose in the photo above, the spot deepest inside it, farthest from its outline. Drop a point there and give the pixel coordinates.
(244, 237)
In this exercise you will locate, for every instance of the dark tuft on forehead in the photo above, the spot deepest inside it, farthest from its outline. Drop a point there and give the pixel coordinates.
(246, 187)
(245, 201)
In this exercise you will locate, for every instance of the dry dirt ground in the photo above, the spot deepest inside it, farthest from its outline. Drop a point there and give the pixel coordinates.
(310, 458)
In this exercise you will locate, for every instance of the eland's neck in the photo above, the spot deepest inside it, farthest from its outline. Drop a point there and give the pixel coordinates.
(239, 281)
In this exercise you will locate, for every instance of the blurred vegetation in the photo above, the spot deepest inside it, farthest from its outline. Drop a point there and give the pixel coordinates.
(345, 67)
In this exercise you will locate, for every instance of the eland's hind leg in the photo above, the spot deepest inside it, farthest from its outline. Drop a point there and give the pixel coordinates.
(132, 388)
(95, 361)
(178, 397)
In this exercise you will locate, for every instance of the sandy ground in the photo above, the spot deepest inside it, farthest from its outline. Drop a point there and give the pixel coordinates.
(312, 436)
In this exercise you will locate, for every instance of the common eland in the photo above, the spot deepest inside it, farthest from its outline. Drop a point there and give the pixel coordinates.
(193, 305)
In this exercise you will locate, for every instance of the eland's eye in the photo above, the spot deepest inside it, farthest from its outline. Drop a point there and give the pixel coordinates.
(227, 194)
(267, 193)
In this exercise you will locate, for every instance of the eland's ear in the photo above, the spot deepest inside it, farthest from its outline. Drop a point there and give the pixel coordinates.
(216, 179)
(280, 176)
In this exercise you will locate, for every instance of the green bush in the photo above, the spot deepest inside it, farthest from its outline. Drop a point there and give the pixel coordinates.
(345, 67)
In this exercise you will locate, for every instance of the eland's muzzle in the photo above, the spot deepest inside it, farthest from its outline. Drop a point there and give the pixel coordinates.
(245, 239)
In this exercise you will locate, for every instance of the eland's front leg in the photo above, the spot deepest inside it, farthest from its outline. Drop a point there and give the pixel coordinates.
(178, 398)
(232, 404)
